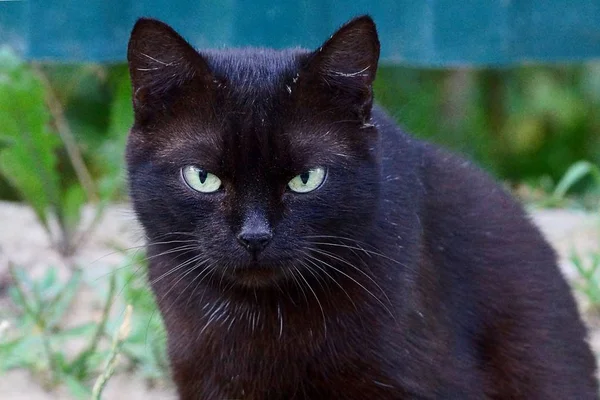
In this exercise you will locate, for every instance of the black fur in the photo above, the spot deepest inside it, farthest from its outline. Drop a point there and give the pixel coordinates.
(408, 274)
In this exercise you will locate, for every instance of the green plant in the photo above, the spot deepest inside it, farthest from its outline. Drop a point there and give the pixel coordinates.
(43, 159)
(574, 175)
(36, 333)
(582, 179)
(38, 340)
(29, 146)
(28, 152)
(590, 283)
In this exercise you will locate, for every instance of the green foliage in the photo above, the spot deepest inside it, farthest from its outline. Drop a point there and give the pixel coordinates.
(551, 121)
(49, 173)
(521, 123)
(37, 337)
(574, 175)
(28, 154)
(589, 284)
(42, 304)
(97, 104)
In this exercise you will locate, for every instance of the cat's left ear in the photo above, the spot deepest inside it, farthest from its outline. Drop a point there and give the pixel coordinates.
(347, 63)
(161, 63)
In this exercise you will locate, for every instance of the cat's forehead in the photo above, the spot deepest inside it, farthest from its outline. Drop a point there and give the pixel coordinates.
(258, 112)
(254, 68)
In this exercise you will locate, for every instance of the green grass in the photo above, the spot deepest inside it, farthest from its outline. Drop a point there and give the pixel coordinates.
(33, 334)
(589, 284)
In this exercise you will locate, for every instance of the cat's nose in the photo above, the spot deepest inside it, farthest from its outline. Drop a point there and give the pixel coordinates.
(255, 233)
(256, 241)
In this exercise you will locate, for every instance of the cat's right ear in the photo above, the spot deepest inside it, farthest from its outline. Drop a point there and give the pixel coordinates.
(346, 65)
(161, 62)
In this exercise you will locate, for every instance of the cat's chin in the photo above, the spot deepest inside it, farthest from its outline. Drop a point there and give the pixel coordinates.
(256, 276)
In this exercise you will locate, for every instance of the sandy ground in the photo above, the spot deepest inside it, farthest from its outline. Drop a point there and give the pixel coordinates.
(24, 243)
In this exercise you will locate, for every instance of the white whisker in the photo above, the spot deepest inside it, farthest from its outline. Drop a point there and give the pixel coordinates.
(353, 280)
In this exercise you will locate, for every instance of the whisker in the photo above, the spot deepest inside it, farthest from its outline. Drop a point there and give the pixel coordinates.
(317, 299)
(191, 270)
(206, 272)
(142, 246)
(353, 280)
(285, 274)
(174, 269)
(335, 257)
(330, 277)
(368, 252)
(317, 277)
(174, 233)
(183, 249)
(339, 238)
(293, 275)
(187, 262)
(137, 270)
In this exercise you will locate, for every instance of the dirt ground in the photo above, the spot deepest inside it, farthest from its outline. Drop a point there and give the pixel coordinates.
(24, 243)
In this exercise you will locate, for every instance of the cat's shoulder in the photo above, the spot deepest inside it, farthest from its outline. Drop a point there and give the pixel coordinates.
(458, 178)
(458, 197)
(457, 187)
(467, 207)
(446, 176)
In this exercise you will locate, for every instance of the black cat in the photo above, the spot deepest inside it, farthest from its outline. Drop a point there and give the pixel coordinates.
(302, 247)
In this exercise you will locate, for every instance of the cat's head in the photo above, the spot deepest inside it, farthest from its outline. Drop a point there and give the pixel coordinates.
(245, 159)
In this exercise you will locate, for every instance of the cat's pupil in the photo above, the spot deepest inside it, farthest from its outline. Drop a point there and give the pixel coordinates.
(304, 177)
(202, 175)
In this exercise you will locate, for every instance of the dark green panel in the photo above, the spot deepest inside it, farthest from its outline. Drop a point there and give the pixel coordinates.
(424, 32)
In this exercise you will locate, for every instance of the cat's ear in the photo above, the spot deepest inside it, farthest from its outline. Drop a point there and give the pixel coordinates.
(161, 62)
(347, 63)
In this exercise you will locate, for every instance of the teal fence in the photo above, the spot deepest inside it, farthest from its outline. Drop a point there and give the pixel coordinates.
(413, 32)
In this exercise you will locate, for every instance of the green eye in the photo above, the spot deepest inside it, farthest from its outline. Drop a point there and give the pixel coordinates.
(307, 181)
(200, 180)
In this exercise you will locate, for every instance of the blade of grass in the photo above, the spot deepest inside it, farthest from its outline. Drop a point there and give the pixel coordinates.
(573, 175)
(113, 357)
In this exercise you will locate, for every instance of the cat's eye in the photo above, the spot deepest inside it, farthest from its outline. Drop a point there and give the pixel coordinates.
(200, 180)
(307, 181)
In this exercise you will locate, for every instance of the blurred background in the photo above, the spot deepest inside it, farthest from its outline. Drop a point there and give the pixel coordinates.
(515, 86)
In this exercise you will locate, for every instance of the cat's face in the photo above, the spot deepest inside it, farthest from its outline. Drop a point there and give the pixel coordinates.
(252, 157)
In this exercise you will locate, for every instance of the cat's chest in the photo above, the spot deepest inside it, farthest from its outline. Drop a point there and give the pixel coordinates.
(283, 379)
(271, 357)
(294, 363)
